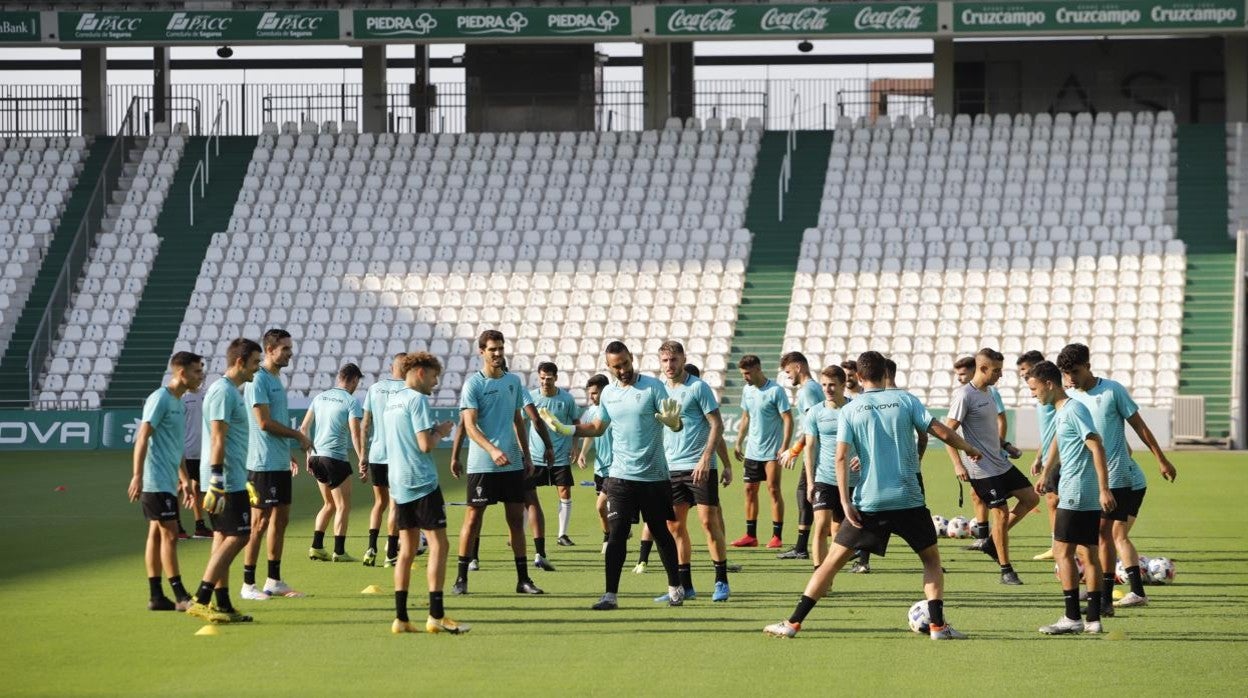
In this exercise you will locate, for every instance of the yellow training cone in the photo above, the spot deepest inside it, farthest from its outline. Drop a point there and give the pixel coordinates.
(372, 589)
(208, 631)
(1118, 594)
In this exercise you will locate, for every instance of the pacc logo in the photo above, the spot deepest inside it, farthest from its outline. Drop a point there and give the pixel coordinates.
(583, 22)
(184, 22)
(398, 25)
(513, 23)
(288, 22)
(89, 22)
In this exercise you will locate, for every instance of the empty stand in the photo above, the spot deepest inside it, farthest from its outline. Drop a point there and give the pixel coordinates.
(936, 239)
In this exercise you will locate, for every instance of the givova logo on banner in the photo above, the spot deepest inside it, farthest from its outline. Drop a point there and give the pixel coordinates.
(31, 430)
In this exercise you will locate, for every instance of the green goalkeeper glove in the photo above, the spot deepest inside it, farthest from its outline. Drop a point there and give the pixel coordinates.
(669, 414)
(553, 422)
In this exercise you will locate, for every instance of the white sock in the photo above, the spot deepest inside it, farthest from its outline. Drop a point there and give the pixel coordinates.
(565, 516)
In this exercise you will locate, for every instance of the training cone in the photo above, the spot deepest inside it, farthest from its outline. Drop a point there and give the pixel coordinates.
(372, 589)
(1118, 594)
(1115, 635)
(60, 488)
(208, 631)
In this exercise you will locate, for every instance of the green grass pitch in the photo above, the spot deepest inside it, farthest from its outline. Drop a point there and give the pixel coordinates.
(73, 594)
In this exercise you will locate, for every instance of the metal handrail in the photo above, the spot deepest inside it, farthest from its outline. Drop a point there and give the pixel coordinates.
(786, 165)
(1239, 356)
(79, 250)
(203, 169)
(190, 190)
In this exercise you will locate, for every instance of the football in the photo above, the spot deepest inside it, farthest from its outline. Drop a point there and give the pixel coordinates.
(941, 525)
(920, 622)
(958, 527)
(1120, 571)
(1160, 570)
(1057, 572)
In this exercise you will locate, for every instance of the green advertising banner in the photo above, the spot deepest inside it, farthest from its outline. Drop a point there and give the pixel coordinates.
(19, 26)
(205, 26)
(518, 23)
(1000, 17)
(22, 430)
(795, 20)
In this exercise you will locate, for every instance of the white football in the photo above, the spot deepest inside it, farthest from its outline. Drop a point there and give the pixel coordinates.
(1057, 572)
(920, 622)
(1160, 570)
(941, 524)
(958, 527)
(1120, 571)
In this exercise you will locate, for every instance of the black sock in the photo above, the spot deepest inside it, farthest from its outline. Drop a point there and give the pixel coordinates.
(804, 607)
(372, 538)
(1094, 607)
(646, 545)
(777, 529)
(223, 599)
(721, 571)
(204, 593)
(936, 612)
(1006, 569)
(803, 540)
(1107, 589)
(199, 523)
(435, 605)
(462, 573)
(864, 557)
(275, 569)
(340, 545)
(686, 575)
(179, 591)
(751, 528)
(476, 548)
(318, 539)
(153, 587)
(539, 544)
(522, 570)
(1134, 579)
(249, 574)
(400, 605)
(605, 536)
(1071, 597)
(392, 547)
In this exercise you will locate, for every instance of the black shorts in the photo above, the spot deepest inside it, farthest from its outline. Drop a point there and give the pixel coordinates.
(559, 475)
(705, 493)
(273, 487)
(236, 519)
(330, 471)
(913, 525)
(380, 474)
(485, 489)
(599, 483)
(755, 470)
(995, 491)
(427, 513)
(635, 500)
(1077, 527)
(1128, 503)
(828, 498)
(191, 467)
(159, 506)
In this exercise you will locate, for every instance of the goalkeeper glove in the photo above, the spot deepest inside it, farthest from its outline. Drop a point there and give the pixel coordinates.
(214, 500)
(797, 448)
(553, 422)
(252, 495)
(669, 414)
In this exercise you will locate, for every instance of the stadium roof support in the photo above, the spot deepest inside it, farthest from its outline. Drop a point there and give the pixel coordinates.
(94, 73)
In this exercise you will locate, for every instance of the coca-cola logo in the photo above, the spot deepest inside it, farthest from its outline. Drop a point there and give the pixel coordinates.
(806, 19)
(900, 18)
(718, 20)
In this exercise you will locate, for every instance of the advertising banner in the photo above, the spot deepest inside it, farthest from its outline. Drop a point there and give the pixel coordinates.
(810, 21)
(505, 23)
(198, 26)
(1104, 15)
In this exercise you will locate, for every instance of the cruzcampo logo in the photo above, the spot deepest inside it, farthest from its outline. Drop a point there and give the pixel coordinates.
(423, 24)
(491, 24)
(582, 22)
(1110, 14)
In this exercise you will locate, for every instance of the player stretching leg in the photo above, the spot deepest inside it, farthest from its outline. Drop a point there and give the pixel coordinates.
(889, 498)
(765, 407)
(411, 436)
(993, 478)
(223, 479)
(333, 424)
(159, 477)
(1112, 408)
